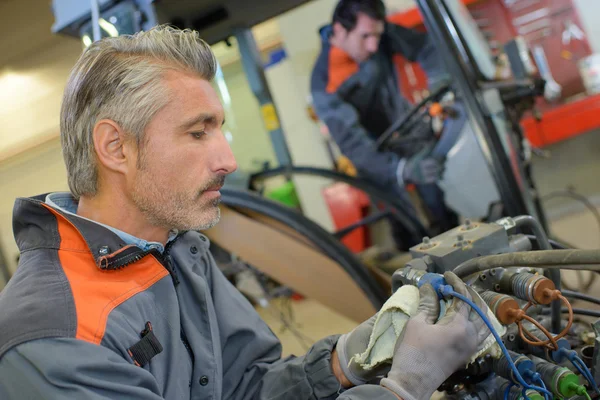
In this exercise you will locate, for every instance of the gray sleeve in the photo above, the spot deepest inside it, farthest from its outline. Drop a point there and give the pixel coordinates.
(64, 368)
(418, 47)
(372, 392)
(344, 126)
(252, 363)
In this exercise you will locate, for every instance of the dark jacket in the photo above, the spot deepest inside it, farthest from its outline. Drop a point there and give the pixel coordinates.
(87, 316)
(359, 102)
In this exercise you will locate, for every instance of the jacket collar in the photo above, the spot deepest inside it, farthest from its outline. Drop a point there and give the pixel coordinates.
(36, 224)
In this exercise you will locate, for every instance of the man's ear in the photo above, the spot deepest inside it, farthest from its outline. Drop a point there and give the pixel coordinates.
(112, 150)
(339, 31)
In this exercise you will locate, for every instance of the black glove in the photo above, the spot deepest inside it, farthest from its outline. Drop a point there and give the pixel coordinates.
(421, 168)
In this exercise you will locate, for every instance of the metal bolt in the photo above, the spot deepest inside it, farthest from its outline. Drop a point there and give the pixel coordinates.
(493, 271)
(459, 237)
(426, 240)
(467, 223)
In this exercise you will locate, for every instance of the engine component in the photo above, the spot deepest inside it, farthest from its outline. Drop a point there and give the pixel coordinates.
(503, 306)
(529, 287)
(416, 277)
(500, 267)
(515, 393)
(502, 368)
(465, 242)
(559, 380)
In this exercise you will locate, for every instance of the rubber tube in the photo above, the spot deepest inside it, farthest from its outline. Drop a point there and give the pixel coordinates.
(581, 296)
(574, 259)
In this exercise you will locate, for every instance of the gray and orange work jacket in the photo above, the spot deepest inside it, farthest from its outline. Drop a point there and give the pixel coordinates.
(89, 316)
(358, 102)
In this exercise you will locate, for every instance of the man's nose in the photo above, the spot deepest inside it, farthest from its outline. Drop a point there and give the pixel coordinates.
(223, 158)
(372, 45)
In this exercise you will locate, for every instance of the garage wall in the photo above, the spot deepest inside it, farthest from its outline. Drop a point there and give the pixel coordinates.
(39, 171)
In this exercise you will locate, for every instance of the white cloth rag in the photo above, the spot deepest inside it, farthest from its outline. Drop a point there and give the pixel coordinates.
(392, 319)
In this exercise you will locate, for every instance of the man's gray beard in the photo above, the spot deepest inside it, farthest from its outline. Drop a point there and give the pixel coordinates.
(158, 215)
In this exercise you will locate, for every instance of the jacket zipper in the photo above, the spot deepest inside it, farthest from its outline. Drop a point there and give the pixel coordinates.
(187, 346)
(167, 261)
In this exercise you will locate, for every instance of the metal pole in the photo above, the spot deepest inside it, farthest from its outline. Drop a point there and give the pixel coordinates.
(258, 83)
(95, 19)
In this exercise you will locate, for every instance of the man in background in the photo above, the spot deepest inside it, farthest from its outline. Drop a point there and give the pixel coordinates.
(355, 89)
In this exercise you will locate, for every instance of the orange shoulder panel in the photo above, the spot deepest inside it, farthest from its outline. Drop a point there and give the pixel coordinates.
(95, 292)
(341, 67)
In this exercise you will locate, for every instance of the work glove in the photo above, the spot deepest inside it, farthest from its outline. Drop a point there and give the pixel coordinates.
(429, 351)
(353, 343)
(421, 168)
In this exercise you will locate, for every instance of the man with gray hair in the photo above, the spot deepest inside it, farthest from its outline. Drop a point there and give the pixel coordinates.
(116, 294)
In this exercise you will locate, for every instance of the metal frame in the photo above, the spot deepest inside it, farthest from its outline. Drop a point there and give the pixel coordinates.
(255, 74)
(466, 76)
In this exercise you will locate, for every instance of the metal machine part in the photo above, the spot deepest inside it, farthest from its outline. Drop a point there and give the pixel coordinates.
(559, 380)
(516, 295)
(468, 61)
(467, 241)
(501, 305)
(501, 367)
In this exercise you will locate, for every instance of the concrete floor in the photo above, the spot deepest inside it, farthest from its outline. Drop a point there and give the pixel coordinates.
(574, 163)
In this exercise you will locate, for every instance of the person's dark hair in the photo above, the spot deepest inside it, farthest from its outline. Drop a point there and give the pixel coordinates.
(346, 12)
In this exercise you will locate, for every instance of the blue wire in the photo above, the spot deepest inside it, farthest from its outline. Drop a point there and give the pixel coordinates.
(542, 384)
(583, 369)
(578, 363)
(507, 391)
(448, 290)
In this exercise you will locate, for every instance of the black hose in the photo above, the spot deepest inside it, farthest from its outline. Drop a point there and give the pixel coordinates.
(322, 239)
(527, 221)
(402, 212)
(401, 121)
(576, 259)
(580, 296)
(556, 245)
(577, 311)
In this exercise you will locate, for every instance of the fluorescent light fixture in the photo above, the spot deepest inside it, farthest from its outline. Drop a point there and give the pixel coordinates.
(108, 27)
(87, 41)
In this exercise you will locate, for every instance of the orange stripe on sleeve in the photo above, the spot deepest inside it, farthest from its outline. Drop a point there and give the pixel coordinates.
(96, 292)
(341, 67)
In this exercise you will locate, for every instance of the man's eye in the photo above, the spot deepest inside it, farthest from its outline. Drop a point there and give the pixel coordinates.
(198, 135)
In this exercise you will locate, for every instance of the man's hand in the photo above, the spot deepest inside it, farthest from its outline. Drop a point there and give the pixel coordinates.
(421, 168)
(353, 343)
(429, 351)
